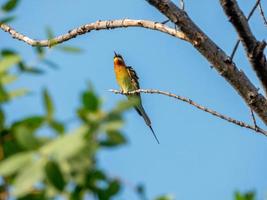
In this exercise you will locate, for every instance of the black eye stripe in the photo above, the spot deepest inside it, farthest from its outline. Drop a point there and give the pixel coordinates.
(118, 56)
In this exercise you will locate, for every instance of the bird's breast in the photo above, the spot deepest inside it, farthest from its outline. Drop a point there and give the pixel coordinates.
(120, 71)
(122, 77)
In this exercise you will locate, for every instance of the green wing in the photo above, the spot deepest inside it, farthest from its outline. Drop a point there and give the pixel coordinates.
(135, 86)
(139, 108)
(134, 77)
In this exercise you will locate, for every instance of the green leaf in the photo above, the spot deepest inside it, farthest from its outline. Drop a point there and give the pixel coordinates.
(70, 49)
(24, 131)
(48, 104)
(36, 195)
(32, 123)
(49, 33)
(77, 193)
(6, 20)
(112, 125)
(28, 177)
(65, 146)
(245, 196)
(7, 79)
(40, 51)
(140, 189)
(113, 188)
(15, 163)
(57, 126)
(8, 61)
(17, 93)
(3, 94)
(50, 64)
(54, 175)
(114, 138)
(8, 52)
(27, 69)
(10, 5)
(2, 120)
(11, 147)
(90, 100)
(25, 137)
(95, 175)
(165, 197)
(33, 70)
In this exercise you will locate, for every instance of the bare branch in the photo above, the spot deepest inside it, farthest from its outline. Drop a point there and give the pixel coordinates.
(188, 31)
(99, 25)
(253, 48)
(189, 101)
(182, 4)
(248, 18)
(253, 9)
(234, 49)
(262, 14)
(254, 119)
(215, 55)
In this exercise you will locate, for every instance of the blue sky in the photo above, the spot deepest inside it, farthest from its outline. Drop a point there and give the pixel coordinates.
(200, 156)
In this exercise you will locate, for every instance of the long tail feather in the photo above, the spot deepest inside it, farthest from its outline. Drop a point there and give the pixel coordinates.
(141, 111)
(155, 136)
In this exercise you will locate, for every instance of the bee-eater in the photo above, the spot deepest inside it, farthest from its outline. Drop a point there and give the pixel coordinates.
(128, 81)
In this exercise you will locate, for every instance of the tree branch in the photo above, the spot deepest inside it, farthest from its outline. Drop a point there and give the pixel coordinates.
(198, 106)
(253, 48)
(262, 14)
(188, 31)
(215, 55)
(99, 25)
(253, 118)
(248, 18)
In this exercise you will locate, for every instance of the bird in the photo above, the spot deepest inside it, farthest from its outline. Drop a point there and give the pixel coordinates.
(127, 79)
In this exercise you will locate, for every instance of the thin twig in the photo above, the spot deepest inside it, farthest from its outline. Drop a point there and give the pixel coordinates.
(253, 118)
(234, 49)
(262, 14)
(98, 25)
(182, 4)
(189, 101)
(248, 18)
(253, 9)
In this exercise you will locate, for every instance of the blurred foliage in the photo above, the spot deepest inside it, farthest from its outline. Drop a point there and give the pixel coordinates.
(9, 5)
(35, 166)
(42, 167)
(245, 196)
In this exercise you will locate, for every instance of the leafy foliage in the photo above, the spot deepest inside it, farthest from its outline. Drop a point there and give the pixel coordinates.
(36, 166)
(245, 196)
(69, 158)
(10, 5)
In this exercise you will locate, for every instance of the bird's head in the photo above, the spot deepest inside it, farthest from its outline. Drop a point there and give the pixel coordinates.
(118, 59)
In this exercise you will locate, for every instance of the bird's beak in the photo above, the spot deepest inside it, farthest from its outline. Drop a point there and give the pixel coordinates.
(115, 54)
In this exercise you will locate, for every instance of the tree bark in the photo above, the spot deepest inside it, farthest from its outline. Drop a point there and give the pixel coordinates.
(216, 56)
(254, 49)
